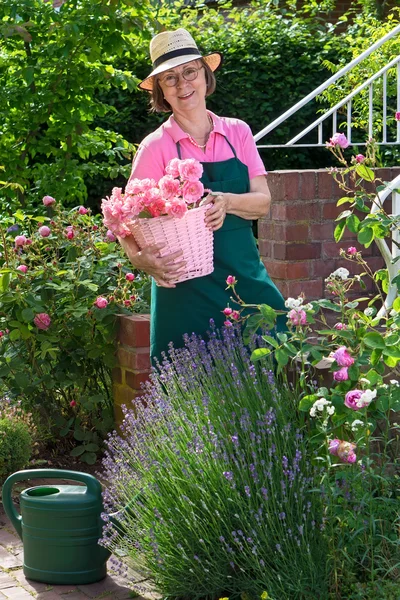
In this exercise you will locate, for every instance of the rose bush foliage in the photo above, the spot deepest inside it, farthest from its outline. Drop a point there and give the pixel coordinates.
(62, 282)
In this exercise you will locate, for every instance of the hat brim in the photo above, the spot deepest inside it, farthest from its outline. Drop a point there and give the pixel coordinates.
(213, 60)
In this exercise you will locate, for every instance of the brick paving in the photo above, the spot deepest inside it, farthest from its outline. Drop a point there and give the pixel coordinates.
(15, 586)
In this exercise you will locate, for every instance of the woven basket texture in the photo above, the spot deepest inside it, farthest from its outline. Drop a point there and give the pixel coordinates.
(189, 234)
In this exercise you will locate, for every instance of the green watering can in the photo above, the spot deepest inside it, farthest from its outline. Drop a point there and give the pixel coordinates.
(60, 526)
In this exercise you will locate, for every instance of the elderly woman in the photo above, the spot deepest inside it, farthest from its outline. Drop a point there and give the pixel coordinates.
(180, 82)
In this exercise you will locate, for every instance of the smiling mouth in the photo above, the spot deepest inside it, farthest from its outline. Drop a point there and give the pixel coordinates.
(186, 96)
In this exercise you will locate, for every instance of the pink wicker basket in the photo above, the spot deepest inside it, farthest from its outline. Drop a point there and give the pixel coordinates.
(189, 234)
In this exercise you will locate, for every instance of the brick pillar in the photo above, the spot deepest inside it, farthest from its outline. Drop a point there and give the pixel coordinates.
(133, 355)
(296, 239)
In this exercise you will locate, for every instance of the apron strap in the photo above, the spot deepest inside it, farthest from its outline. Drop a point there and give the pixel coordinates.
(178, 148)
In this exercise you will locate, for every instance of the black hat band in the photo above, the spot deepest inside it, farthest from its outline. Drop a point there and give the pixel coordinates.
(174, 54)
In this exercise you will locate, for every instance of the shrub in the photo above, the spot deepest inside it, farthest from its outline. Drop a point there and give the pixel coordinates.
(217, 479)
(61, 284)
(52, 65)
(16, 441)
(352, 415)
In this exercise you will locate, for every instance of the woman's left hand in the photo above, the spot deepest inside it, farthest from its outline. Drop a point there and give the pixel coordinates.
(216, 214)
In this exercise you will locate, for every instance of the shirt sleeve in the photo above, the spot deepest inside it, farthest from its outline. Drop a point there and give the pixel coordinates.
(147, 163)
(249, 153)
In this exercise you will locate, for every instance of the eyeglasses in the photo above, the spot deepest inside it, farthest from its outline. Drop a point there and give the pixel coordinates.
(188, 74)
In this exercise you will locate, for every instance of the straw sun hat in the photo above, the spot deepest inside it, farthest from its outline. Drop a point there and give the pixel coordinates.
(170, 49)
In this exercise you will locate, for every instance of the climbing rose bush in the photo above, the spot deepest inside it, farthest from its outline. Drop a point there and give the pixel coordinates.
(62, 281)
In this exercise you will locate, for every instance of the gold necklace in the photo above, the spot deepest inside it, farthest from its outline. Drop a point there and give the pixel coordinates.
(192, 140)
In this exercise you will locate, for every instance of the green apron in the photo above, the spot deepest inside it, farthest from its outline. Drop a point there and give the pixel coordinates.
(189, 307)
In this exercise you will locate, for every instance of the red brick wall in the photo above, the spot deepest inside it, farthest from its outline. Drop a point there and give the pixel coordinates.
(296, 239)
(133, 355)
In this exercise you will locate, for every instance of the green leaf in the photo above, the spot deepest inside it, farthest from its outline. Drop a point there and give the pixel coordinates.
(89, 458)
(5, 281)
(339, 230)
(373, 377)
(391, 361)
(374, 340)
(77, 451)
(15, 334)
(92, 447)
(343, 215)
(354, 372)
(366, 236)
(282, 357)
(270, 340)
(268, 313)
(353, 223)
(365, 172)
(375, 357)
(396, 304)
(330, 305)
(27, 315)
(260, 353)
(344, 200)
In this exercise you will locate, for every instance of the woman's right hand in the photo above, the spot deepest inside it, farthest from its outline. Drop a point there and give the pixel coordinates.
(162, 268)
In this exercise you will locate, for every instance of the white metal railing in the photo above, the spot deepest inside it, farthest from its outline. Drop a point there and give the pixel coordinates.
(318, 123)
(389, 255)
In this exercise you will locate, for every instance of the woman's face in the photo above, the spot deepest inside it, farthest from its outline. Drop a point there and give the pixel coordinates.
(184, 94)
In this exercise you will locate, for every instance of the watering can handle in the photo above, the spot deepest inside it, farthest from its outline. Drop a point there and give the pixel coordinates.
(93, 486)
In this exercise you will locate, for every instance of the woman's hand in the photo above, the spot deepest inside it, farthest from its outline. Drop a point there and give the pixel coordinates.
(215, 215)
(162, 268)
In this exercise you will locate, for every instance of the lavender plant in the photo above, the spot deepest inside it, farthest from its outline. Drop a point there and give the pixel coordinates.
(215, 491)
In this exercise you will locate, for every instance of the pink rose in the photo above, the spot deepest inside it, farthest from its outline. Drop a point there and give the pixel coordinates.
(352, 250)
(70, 234)
(346, 453)
(342, 357)
(44, 231)
(42, 321)
(360, 158)
(352, 398)
(192, 191)
(129, 276)
(148, 184)
(397, 116)
(190, 169)
(72, 403)
(333, 446)
(95, 227)
(339, 139)
(134, 186)
(227, 311)
(1, 334)
(169, 187)
(351, 457)
(100, 302)
(231, 280)
(110, 236)
(298, 317)
(82, 210)
(172, 167)
(158, 208)
(340, 326)
(235, 315)
(176, 208)
(341, 375)
(227, 323)
(20, 240)
(48, 200)
(22, 268)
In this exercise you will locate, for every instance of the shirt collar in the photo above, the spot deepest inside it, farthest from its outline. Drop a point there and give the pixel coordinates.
(177, 134)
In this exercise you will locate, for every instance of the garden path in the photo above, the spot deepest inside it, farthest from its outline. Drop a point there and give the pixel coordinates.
(15, 586)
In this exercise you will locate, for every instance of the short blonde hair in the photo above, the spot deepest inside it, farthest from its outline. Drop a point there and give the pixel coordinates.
(157, 100)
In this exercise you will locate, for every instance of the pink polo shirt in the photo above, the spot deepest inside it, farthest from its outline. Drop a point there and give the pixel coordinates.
(158, 148)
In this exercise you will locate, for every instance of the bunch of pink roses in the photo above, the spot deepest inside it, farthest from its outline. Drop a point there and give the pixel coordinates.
(175, 193)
